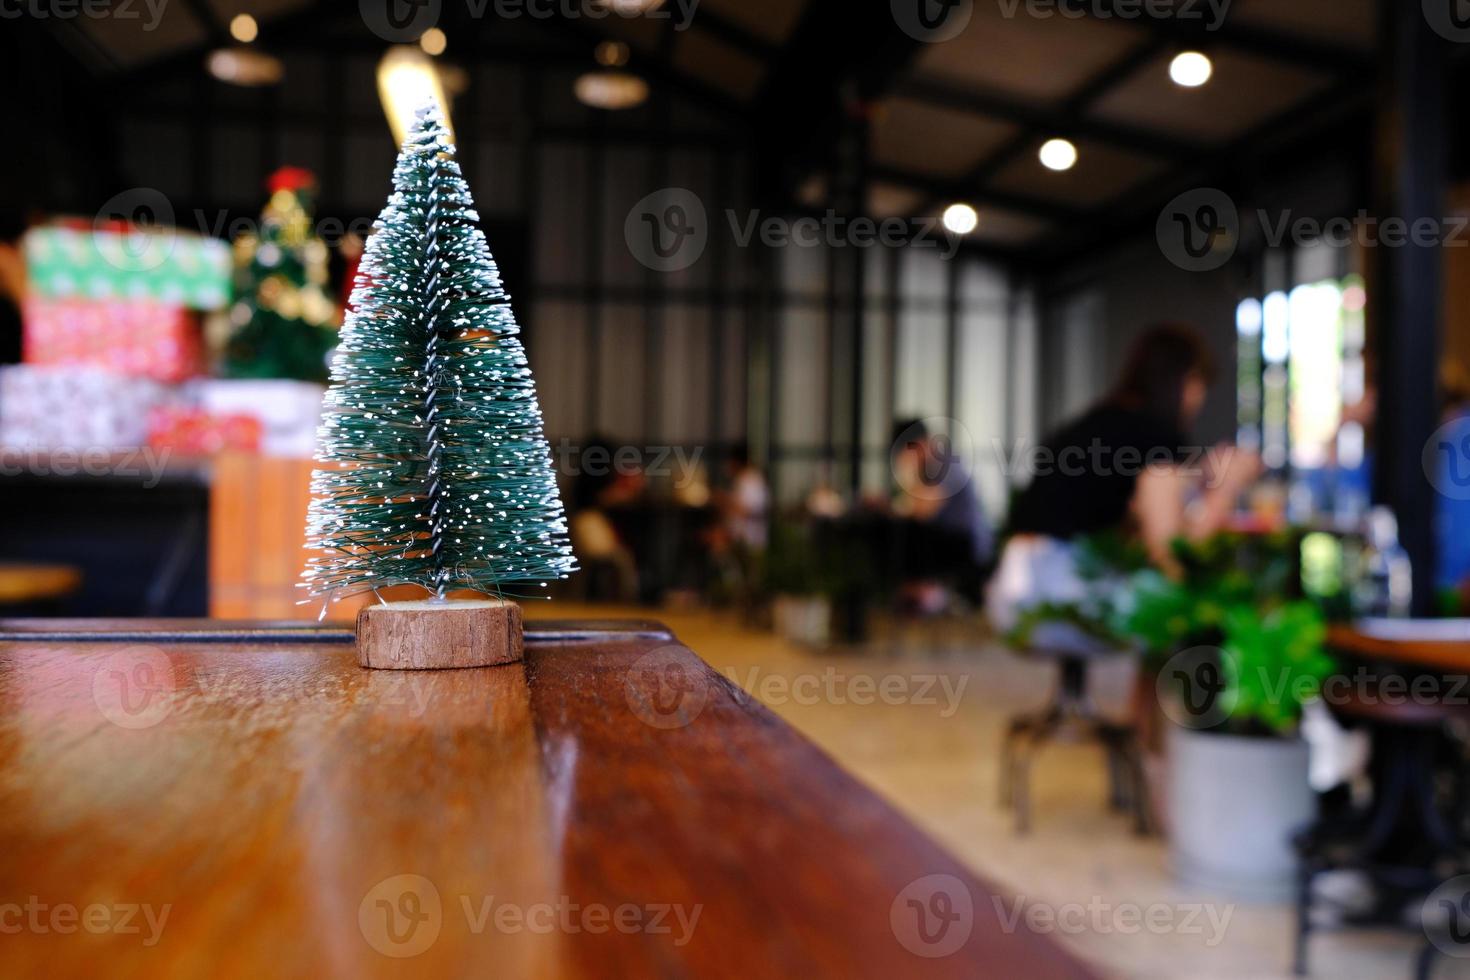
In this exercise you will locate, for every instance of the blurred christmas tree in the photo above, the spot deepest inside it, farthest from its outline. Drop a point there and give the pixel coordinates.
(284, 323)
(438, 472)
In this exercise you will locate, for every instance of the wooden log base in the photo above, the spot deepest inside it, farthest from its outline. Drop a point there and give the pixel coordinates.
(432, 634)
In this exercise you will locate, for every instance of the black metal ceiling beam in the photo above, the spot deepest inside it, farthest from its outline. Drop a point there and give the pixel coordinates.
(214, 29)
(654, 68)
(1067, 115)
(1197, 30)
(988, 102)
(191, 58)
(941, 189)
(1135, 213)
(840, 56)
(735, 35)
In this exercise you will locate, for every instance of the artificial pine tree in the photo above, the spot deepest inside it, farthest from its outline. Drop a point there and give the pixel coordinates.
(284, 323)
(438, 471)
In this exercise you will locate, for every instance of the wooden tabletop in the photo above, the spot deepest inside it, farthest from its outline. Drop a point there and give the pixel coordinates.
(1439, 647)
(252, 803)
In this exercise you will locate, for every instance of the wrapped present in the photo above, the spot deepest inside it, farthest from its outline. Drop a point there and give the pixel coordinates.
(191, 430)
(75, 408)
(162, 265)
(134, 337)
(287, 412)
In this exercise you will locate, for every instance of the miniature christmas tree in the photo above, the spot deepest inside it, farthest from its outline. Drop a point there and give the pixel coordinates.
(439, 473)
(284, 322)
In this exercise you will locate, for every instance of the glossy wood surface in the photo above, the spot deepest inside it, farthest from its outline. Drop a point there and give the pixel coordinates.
(1446, 655)
(610, 807)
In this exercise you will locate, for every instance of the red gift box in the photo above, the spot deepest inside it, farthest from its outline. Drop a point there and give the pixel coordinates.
(193, 431)
(140, 338)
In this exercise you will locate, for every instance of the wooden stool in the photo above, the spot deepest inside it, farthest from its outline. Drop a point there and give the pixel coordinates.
(1071, 709)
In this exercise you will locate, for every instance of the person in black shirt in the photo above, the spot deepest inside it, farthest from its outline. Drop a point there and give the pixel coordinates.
(1123, 464)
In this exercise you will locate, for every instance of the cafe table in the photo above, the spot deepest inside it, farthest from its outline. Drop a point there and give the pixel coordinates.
(209, 799)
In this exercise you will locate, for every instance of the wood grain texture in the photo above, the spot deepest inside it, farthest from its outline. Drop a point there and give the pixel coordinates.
(427, 634)
(610, 807)
(1428, 654)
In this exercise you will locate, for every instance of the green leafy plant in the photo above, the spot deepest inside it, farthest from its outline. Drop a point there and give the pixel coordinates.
(1235, 594)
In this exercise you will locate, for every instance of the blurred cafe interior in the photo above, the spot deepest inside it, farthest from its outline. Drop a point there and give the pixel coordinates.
(1041, 427)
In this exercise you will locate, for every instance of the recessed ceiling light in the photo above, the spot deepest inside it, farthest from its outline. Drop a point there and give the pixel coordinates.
(960, 219)
(433, 41)
(1190, 69)
(611, 90)
(1058, 154)
(243, 28)
(244, 66)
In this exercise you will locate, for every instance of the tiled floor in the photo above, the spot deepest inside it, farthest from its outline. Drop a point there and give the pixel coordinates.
(931, 748)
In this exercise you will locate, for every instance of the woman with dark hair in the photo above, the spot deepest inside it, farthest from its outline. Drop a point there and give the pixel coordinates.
(1123, 464)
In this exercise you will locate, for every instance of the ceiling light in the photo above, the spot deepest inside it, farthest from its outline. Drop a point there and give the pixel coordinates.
(1058, 154)
(960, 219)
(612, 54)
(243, 28)
(433, 42)
(1190, 69)
(611, 90)
(244, 66)
(407, 78)
(628, 8)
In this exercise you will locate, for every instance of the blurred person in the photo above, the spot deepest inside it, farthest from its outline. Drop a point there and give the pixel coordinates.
(1452, 519)
(738, 536)
(936, 490)
(1124, 464)
(595, 540)
(746, 504)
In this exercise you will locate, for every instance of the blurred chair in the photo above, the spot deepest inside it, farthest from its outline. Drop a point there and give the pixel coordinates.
(1410, 836)
(602, 557)
(1071, 711)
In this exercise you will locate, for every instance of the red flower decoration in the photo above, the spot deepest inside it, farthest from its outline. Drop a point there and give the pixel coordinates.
(291, 179)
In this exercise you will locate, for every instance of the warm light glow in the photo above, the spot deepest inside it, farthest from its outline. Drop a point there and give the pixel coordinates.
(612, 54)
(1190, 69)
(407, 78)
(629, 8)
(433, 42)
(243, 28)
(960, 219)
(1058, 154)
(244, 66)
(611, 90)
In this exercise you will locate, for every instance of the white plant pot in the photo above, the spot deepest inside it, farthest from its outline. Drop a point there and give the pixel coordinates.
(1234, 803)
(802, 619)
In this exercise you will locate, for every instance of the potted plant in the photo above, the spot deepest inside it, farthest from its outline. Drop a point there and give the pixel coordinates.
(1233, 654)
(819, 584)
